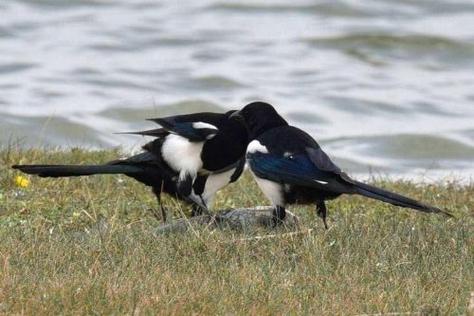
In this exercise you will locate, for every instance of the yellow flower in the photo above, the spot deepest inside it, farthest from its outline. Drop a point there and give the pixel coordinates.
(22, 182)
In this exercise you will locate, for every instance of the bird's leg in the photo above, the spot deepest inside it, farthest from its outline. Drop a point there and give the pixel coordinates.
(322, 212)
(162, 207)
(185, 189)
(196, 210)
(279, 215)
(185, 185)
(199, 207)
(204, 209)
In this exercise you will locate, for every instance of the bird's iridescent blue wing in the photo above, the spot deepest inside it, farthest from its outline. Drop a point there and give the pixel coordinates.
(297, 169)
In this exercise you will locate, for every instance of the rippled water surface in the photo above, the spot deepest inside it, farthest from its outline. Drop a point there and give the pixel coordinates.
(387, 86)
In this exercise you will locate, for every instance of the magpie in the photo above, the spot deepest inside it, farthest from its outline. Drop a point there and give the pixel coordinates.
(291, 168)
(191, 158)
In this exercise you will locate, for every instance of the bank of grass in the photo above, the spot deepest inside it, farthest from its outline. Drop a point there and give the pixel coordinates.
(87, 245)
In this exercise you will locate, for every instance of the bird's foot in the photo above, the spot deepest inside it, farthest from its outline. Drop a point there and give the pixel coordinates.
(325, 223)
(276, 222)
(278, 217)
(198, 210)
(163, 213)
(159, 215)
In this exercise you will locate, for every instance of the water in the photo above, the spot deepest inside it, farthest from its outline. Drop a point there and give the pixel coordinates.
(386, 86)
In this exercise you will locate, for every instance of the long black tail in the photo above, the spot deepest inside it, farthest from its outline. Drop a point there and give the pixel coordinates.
(156, 132)
(394, 198)
(55, 171)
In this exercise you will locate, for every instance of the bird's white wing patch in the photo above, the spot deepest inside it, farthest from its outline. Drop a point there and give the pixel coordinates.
(202, 125)
(182, 155)
(255, 146)
(322, 182)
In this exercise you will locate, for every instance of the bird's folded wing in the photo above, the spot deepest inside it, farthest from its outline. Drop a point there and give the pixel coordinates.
(195, 131)
(322, 161)
(297, 169)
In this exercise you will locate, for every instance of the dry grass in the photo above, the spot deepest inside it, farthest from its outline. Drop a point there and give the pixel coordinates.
(87, 245)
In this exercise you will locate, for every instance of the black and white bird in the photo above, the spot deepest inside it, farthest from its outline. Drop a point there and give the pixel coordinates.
(291, 168)
(192, 157)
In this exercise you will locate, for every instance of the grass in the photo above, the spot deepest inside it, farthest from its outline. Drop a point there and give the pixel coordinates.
(87, 246)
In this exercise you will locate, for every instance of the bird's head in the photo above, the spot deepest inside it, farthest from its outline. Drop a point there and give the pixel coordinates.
(259, 117)
(236, 126)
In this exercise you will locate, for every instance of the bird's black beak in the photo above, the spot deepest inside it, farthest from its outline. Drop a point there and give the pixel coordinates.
(238, 117)
(235, 114)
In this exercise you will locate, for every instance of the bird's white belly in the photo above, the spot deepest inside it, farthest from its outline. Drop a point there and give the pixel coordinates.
(272, 190)
(182, 155)
(214, 183)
